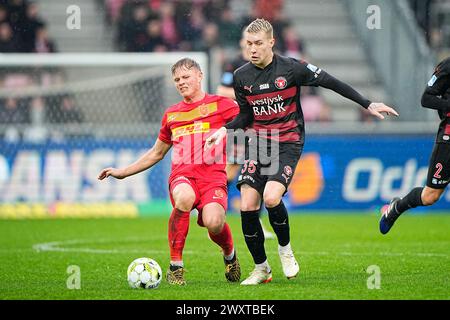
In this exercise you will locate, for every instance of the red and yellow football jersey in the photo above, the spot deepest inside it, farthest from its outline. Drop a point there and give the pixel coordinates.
(187, 126)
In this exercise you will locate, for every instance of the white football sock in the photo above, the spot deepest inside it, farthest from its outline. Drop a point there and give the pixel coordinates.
(263, 266)
(286, 248)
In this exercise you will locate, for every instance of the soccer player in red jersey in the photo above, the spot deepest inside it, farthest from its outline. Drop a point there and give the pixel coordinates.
(198, 179)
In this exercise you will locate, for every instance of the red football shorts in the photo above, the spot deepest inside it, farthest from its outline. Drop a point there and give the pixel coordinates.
(205, 192)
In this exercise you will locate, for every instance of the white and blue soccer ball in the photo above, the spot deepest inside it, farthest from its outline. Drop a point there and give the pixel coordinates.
(144, 273)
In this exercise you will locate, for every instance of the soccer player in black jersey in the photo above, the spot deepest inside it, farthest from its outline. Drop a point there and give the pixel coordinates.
(436, 96)
(268, 93)
(226, 89)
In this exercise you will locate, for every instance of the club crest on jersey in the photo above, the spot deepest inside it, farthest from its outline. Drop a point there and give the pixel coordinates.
(203, 109)
(287, 173)
(288, 170)
(218, 194)
(280, 82)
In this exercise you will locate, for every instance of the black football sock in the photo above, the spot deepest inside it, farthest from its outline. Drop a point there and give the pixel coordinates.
(279, 220)
(412, 200)
(253, 235)
(174, 267)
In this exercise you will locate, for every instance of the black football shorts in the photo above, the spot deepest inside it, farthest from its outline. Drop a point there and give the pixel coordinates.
(439, 166)
(278, 165)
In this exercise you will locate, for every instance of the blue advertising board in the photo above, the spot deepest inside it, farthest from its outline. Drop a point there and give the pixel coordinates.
(336, 172)
(67, 172)
(343, 172)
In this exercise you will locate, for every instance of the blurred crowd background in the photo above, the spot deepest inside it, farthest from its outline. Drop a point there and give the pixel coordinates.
(210, 26)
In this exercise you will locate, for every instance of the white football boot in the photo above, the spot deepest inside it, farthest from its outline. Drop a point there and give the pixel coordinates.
(258, 276)
(288, 262)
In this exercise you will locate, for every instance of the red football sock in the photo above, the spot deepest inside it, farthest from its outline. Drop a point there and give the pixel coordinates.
(178, 230)
(224, 239)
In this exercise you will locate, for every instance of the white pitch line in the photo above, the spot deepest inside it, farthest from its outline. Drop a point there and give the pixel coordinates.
(61, 246)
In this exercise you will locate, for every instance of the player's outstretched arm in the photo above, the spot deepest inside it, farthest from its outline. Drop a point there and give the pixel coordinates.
(377, 109)
(150, 158)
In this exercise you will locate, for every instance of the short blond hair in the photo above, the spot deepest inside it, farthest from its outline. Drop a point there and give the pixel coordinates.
(260, 25)
(186, 63)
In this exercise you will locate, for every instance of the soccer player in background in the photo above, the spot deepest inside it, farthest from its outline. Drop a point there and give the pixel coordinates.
(268, 94)
(197, 180)
(436, 96)
(225, 89)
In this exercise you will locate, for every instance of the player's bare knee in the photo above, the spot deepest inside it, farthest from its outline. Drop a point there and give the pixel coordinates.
(214, 224)
(216, 227)
(249, 206)
(430, 198)
(271, 201)
(184, 207)
(184, 202)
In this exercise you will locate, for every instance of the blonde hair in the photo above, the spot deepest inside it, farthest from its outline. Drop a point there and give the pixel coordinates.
(260, 25)
(186, 63)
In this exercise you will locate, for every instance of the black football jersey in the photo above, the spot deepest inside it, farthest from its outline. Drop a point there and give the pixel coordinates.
(439, 87)
(272, 95)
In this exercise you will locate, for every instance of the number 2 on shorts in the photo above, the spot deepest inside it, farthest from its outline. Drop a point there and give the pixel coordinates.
(438, 171)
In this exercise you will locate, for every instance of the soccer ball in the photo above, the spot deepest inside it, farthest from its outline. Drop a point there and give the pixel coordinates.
(144, 273)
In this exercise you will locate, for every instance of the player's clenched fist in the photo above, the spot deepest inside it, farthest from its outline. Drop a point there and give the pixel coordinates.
(116, 173)
(215, 138)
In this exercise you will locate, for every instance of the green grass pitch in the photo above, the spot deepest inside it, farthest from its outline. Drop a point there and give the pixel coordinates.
(334, 251)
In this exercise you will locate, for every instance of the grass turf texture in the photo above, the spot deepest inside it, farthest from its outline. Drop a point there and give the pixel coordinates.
(334, 252)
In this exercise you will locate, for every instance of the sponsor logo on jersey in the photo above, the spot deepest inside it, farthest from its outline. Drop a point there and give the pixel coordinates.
(268, 105)
(314, 69)
(432, 80)
(246, 177)
(267, 101)
(271, 103)
(198, 127)
(264, 86)
(269, 110)
(249, 89)
(435, 181)
(280, 82)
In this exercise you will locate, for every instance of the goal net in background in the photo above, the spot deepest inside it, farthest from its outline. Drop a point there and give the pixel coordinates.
(64, 117)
